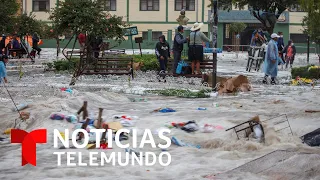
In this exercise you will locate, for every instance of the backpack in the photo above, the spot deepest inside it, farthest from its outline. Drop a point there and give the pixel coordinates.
(181, 67)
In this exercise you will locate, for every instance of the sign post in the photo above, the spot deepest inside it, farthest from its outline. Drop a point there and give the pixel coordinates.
(139, 40)
(131, 31)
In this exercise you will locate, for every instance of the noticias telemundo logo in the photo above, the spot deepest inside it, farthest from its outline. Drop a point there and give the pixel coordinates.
(127, 155)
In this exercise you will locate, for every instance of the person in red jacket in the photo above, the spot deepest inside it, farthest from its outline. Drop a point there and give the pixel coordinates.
(82, 41)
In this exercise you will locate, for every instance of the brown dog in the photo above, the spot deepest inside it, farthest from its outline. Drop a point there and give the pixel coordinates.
(136, 66)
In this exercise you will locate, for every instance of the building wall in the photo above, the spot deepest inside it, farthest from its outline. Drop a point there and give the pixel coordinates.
(39, 15)
(296, 19)
(165, 19)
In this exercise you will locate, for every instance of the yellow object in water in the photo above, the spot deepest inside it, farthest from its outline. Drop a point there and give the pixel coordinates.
(7, 131)
(62, 135)
(91, 146)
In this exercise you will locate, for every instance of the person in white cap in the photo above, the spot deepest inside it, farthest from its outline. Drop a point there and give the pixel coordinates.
(195, 46)
(271, 60)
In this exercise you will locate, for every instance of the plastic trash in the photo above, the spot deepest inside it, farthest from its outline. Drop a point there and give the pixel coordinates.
(7, 131)
(180, 143)
(21, 106)
(208, 128)
(312, 138)
(201, 108)
(72, 119)
(127, 123)
(258, 132)
(131, 151)
(190, 126)
(215, 105)
(56, 116)
(166, 110)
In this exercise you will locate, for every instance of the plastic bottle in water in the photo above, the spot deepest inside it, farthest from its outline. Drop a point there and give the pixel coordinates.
(201, 108)
(165, 110)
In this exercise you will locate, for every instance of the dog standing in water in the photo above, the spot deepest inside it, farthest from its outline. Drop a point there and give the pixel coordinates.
(136, 66)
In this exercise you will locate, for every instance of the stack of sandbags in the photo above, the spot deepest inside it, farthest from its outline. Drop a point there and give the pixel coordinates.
(239, 83)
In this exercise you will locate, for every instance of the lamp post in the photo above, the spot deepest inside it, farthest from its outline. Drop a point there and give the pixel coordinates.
(197, 10)
(214, 31)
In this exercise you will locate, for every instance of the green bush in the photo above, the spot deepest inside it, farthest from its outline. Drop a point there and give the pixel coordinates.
(305, 72)
(63, 65)
(150, 61)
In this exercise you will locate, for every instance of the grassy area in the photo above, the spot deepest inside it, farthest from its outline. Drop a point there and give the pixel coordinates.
(63, 65)
(181, 93)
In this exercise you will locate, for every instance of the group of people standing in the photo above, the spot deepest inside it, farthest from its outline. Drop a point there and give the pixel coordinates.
(195, 52)
(16, 45)
(289, 50)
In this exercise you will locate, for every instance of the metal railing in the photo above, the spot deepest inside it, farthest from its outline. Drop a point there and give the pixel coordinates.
(242, 48)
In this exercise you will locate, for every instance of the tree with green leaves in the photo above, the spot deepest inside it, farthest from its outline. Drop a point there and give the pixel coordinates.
(7, 13)
(237, 27)
(266, 11)
(26, 24)
(311, 20)
(88, 17)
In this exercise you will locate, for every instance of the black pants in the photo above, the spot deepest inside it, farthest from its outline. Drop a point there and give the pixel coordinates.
(37, 49)
(163, 63)
(177, 58)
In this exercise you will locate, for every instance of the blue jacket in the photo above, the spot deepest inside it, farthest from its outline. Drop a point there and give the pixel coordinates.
(280, 44)
(3, 71)
(270, 68)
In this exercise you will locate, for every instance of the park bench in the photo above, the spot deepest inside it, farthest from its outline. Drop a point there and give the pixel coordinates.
(255, 57)
(111, 65)
(19, 52)
(207, 64)
(74, 53)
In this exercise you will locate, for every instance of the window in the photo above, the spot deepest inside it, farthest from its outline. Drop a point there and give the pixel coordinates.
(145, 35)
(149, 5)
(41, 5)
(299, 38)
(188, 5)
(110, 5)
(156, 35)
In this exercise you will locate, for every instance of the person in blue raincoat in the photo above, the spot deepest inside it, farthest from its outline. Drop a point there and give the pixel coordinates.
(3, 71)
(271, 60)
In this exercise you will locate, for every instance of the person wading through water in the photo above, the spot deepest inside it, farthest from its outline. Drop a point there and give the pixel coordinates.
(271, 60)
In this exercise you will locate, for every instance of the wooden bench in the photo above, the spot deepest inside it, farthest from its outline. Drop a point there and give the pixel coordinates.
(76, 53)
(115, 52)
(207, 64)
(111, 65)
(19, 52)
